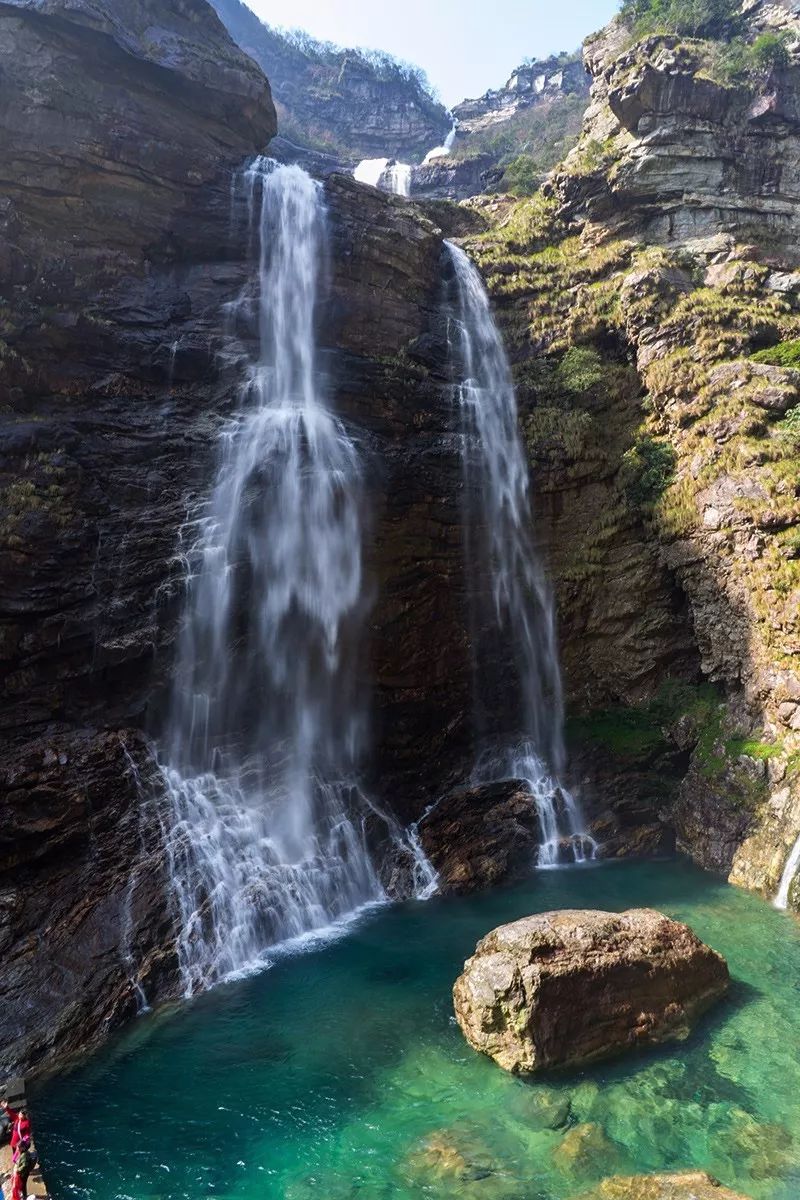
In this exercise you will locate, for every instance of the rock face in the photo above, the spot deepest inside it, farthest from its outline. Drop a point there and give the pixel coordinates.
(533, 83)
(566, 988)
(120, 124)
(119, 255)
(634, 293)
(478, 837)
(683, 1185)
(700, 155)
(456, 178)
(345, 102)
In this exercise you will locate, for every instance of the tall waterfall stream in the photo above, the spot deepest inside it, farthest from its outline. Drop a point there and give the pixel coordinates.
(266, 725)
(498, 542)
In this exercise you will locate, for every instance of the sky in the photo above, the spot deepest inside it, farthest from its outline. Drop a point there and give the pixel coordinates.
(465, 46)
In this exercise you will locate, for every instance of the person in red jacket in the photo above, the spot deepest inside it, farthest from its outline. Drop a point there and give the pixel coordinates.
(20, 1128)
(19, 1123)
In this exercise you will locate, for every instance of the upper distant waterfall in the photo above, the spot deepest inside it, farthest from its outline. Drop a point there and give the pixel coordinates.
(385, 173)
(500, 554)
(266, 725)
(443, 150)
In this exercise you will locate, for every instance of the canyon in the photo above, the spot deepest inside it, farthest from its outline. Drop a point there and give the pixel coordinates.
(632, 293)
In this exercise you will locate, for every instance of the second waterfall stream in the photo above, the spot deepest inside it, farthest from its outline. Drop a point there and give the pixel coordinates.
(512, 612)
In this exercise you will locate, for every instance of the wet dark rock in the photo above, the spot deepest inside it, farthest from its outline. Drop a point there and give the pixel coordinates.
(118, 370)
(478, 837)
(84, 911)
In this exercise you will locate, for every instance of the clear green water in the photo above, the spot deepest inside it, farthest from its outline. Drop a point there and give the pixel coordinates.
(341, 1074)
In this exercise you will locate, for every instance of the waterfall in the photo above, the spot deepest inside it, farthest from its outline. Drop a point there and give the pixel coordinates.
(387, 173)
(400, 179)
(787, 878)
(519, 626)
(443, 150)
(266, 727)
(371, 170)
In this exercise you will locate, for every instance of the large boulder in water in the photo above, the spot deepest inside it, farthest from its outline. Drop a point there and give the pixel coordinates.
(565, 988)
(684, 1185)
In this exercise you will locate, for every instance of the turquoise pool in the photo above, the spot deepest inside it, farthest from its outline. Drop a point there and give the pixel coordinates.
(340, 1073)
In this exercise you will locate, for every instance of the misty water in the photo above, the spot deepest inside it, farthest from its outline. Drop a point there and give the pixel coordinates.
(339, 1073)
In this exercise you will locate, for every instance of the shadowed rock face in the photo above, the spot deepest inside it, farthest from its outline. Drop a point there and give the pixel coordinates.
(122, 127)
(566, 988)
(477, 837)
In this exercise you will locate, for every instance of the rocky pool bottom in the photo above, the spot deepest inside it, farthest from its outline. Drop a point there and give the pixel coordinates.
(340, 1073)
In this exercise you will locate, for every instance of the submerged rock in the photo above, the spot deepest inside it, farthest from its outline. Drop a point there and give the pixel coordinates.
(685, 1185)
(583, 1146)
(570, 987)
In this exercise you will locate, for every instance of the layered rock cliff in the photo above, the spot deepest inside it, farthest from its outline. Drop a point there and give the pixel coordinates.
(125, 127)
(509, 138)
(637, 291)
(344, 102)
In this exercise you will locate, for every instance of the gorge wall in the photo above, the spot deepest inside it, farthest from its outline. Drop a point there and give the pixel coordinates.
(345, 102)
(633, 293)
(116, 372)
(636, 290)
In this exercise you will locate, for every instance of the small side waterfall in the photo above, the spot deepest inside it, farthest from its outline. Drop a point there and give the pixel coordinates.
(400, 179)
(443, 150)
(266, 725)
(790, 870)
(499, 550)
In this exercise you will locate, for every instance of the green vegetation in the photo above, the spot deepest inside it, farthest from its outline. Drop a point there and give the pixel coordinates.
(770, 50)
(541, 135)
(582, 370)
(636, 732)
(685, 18)
(647, 471)
(739, 62)
(643, 734)
(522, 176)
(785, 354)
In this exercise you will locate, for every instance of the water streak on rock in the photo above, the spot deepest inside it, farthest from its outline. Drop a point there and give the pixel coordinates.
(499, 549)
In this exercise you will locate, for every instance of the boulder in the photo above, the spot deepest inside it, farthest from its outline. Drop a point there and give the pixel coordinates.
(566, 988)
(481, 836)
(684, 1185)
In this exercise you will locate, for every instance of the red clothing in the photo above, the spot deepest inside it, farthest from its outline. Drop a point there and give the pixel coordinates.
(19, 1178)
(20, 1127)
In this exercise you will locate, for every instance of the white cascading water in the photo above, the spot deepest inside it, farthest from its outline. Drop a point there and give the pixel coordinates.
(790, 870)
(498, 540)
(265, 727)
(371, 171)
(400, 179)
(391, 175)
(443, 150)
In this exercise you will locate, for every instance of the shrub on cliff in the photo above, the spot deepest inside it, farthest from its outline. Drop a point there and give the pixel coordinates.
(522, 175)
(647, 470)
(686, 18)
(770, 50)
